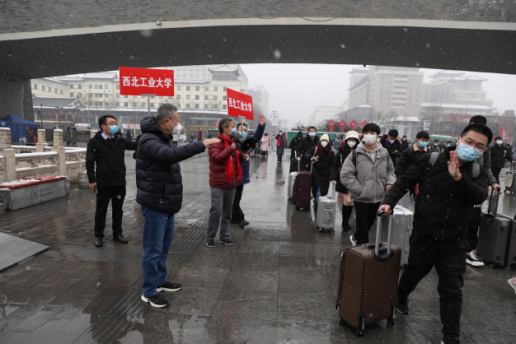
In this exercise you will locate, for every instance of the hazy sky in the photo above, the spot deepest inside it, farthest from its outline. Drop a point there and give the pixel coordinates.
(294, 89)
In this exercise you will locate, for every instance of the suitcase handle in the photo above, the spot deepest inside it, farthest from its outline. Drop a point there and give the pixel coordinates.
(383, 257)
(299, 166)
(491, 202)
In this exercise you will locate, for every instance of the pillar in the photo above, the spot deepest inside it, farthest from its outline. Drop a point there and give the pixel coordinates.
(58, 138)
(8, 153)
(16, 97)
(40, 146)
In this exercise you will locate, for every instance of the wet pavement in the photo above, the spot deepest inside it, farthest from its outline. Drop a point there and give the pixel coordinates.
(277, 284)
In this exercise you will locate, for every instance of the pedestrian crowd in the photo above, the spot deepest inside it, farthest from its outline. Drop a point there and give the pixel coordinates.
(372, 172)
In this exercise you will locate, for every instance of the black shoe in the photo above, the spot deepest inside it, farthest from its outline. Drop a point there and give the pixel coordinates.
(402, 305)
(99, 242)
(156, 301)
(450, 340)
(169, 287)
(210, 243)
(226, 242)
(345, 226)
(243, 223)
(121, 239)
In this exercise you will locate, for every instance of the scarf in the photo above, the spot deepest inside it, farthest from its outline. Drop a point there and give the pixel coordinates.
(230, 171)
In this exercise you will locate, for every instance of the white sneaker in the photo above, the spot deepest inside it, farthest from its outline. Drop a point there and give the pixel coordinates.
(512, 283)
(472, 259)
(353, 240)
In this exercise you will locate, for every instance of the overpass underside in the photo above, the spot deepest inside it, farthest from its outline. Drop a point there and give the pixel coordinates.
(22, 59)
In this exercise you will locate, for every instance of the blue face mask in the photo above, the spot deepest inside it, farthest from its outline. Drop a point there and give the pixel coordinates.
(244, 135)
(113, 129)
(234, 129)
(312, 134)
(467, 153)
(422, 144)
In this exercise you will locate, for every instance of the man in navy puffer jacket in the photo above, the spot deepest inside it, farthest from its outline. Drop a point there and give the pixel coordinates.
(238, 214)
(160, 193)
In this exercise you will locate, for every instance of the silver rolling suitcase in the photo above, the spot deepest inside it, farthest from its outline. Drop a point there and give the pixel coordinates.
(326, 212)
(401, 224)
(291, 178)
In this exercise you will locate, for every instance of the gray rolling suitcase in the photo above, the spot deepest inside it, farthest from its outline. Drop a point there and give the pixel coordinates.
(291, 178)
(401, 224)
(510, 183)
(495, 237)
(326, 212)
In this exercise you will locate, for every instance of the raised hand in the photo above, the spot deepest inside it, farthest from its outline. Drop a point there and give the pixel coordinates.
(453, 166)
(261, 119)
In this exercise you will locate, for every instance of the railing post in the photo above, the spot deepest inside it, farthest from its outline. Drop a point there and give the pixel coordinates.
(42, 141)
(58, 138)
(8, 153)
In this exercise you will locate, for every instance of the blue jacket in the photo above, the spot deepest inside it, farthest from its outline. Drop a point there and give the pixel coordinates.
(244, 165)
(158, 174)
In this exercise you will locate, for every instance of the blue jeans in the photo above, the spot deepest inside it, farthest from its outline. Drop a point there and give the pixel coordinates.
(158, 231)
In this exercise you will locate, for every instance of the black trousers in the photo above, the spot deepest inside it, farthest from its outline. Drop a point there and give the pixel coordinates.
(320, 182)
(366, 216)
(473, 228)
(496, 174)
(115, 194)
(449, 259)
(238, 214)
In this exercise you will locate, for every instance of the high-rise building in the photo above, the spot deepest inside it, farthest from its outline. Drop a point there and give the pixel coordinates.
(260, 98)
(393, 91)
(324, 113)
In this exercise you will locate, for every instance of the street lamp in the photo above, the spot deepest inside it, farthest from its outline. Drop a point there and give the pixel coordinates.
(41, 115)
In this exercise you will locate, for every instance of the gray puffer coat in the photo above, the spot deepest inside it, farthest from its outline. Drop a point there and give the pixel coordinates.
(367, 180)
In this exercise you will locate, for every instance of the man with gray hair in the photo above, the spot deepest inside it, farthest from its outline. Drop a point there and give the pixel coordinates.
(160, 193)
(225, 174)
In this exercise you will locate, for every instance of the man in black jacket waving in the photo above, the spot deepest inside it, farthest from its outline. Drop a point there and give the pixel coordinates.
(160, 193)
(449, 187)
(106, 151)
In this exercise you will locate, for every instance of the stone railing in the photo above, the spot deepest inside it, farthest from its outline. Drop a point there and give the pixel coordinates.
(18, 162)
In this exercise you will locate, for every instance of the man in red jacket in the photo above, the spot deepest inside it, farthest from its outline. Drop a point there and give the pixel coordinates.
(225, 173)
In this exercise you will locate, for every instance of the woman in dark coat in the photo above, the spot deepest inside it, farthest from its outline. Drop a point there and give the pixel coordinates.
(322, 157)
(294, 143)
(348, 145)
(281, 143)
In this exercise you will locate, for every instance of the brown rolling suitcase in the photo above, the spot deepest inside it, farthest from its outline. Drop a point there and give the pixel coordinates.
(369, 282)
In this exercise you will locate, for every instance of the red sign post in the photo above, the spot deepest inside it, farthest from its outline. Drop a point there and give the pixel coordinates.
(353, 125)
(240, 104)
(138, 81)
(342, 125)
(331, 124)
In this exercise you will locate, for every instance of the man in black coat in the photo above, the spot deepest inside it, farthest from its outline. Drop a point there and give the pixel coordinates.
(448, 190)
(310, 141)
(412, 153)
(160, 193)
(392, 144)
(106, 152)
(499, 153)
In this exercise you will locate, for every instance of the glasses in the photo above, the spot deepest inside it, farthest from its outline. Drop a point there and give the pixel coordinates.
(479, 147)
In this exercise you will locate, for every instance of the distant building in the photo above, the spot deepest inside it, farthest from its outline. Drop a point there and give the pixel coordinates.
(396, 91)
(260, 98)
(324, 113)
(201, 92)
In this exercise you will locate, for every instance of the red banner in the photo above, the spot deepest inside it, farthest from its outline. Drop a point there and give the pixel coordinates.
(342, 125)
(138, 81)
(353, 125)
(331, 124)
(363, 123)
(505, 134)
(240, 104)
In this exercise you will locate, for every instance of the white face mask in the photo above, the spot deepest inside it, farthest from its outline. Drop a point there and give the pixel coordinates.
(499, 142)
(369, 139)
(324, 143)
(391, 141)
(352, 144)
